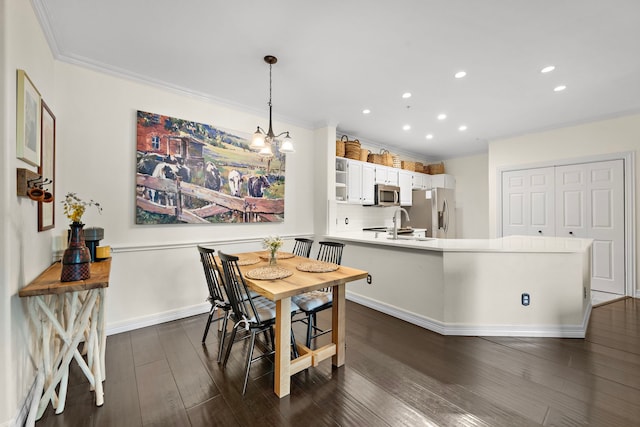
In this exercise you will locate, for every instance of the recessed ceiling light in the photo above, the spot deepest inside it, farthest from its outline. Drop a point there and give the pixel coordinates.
(548, 69)
(559, 88)
(442, 116)
(406, 127)
(460, 74)
(366, 111)
(429, 136)
(406, 95)
(462, 128)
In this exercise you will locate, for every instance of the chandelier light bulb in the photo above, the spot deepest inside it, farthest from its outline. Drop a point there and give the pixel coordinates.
(257, 141)
(287, 145)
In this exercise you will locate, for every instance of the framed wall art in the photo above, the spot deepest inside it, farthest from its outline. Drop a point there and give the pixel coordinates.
(28, 120)
(47, 169)
(195, 173)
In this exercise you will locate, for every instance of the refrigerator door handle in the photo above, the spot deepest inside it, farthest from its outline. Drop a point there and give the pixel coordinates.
(445, 214)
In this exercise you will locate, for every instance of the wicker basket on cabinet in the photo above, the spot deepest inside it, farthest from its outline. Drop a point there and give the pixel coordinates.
(352, 149)
(436, 168)
(374, 158)
(387, 158)
(340, 146)
(408, 165)
(396, 161)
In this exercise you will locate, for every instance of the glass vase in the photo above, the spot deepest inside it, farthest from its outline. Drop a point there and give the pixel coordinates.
(273, 258)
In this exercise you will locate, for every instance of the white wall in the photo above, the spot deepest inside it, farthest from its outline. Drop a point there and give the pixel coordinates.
(25, 252)
(616, 135)
(155, 272)
(472, 187)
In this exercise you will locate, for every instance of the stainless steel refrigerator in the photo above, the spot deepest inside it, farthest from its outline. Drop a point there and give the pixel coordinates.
(434, 210)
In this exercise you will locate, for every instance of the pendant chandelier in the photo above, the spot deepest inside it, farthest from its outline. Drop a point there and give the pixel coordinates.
(264, 141)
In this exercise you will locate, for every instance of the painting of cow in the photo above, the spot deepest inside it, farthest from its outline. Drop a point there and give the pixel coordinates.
(257, 184)
(235, 183)
(188, 172)
(212, 177)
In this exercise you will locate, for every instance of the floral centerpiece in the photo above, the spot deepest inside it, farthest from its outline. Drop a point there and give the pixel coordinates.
(74, 207)
(272, 244)
(76, 258)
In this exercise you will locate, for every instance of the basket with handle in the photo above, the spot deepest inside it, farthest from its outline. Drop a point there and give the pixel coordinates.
(352, 149)
(387, 158)
(364, 154)
(340, 146)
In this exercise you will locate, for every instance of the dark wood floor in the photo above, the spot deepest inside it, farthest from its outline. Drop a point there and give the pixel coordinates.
(395, 374)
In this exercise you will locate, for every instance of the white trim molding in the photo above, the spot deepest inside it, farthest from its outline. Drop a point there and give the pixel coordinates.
(442, 328)
(156, 318)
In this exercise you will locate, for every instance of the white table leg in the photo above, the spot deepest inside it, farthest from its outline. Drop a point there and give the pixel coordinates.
(102, 335)
(81, 324)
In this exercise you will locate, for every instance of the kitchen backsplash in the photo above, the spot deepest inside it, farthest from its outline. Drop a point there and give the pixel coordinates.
(355, 217)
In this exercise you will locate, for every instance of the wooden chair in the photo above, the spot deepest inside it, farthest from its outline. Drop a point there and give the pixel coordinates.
(310, 303)
(216, 295)
(255, 315)
(302, 247)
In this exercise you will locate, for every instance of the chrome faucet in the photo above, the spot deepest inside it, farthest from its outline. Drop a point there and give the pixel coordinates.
(395, 221)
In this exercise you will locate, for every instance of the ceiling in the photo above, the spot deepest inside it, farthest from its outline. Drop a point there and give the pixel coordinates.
(338, 57)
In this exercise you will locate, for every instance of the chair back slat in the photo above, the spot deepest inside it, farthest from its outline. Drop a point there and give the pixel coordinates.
(241, 304)
(331, 252)
(302, 247)
(211, 274)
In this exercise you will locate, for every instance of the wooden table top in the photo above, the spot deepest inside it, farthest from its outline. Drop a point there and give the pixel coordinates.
(300, 281)
(49, 282)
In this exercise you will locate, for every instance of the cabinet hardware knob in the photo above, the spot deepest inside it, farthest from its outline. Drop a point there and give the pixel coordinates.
(571, 232)
(540, 231)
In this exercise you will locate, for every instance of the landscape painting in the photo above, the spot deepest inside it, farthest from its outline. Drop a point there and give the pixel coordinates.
(194, 173)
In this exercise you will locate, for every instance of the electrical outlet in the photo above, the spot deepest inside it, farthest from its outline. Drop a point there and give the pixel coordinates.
(346, 221)
(369, 279)
(526, 299)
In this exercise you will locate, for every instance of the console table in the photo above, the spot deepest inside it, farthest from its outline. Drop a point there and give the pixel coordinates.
(62, 314)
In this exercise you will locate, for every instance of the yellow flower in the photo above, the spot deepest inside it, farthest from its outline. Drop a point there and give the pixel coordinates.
(74, 207)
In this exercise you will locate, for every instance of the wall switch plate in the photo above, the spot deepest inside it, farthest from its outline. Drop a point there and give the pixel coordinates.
(526, 299)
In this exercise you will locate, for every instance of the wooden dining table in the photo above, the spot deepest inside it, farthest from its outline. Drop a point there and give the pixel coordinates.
(281, 291)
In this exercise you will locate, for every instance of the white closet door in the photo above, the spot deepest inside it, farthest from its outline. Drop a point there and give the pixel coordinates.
(528, 202)
(590, 200)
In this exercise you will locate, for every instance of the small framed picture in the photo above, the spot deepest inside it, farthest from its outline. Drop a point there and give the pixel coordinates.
(28, 120)
(47, 169)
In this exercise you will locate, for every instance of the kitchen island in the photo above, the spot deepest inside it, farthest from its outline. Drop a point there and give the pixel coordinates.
(510, 286)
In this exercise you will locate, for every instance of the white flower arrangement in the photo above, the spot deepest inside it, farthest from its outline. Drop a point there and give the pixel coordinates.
(272, 243)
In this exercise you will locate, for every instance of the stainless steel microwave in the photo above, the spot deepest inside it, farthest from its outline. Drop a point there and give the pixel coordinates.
(387, 195)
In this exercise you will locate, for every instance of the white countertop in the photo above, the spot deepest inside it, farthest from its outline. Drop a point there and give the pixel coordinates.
(535, 244)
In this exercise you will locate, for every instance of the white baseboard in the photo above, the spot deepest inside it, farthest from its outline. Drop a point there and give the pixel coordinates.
(555, 331)
(157, 318)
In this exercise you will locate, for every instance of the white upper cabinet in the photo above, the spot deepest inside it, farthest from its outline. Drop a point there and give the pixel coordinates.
(360, 187)
(421, 181)
(386, 175)
(405, 179)
(443, 180)
(368, 185)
